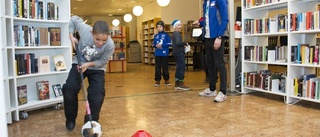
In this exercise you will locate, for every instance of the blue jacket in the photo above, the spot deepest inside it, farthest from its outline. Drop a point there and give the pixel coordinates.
(216, 7)
(166, 42)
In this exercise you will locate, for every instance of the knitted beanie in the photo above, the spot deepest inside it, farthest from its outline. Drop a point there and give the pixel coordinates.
(175, 23)
(160, 23)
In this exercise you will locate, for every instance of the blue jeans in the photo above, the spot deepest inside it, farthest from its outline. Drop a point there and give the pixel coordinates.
(96, 92)
(180, 66)
(215, 63)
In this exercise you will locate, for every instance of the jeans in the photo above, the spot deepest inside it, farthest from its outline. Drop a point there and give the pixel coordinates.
(161, 63)
(96, 92)
(215, 63)
(180, 66)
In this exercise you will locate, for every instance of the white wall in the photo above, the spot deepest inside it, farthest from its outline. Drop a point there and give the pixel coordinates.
(182, 10)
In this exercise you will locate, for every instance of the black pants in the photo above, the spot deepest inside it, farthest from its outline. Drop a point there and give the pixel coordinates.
(215, 63)
(161, 63)
(96, 92)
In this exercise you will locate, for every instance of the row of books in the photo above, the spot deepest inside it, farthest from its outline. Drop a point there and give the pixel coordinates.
(266, 25)
(42, 88)
(262, 53)
(253, 3)
(25, 36)
(307, 85)
(305, 54)
(35, 9)
(300, 54)
(27, 63)
(305, 21)
(265, 80)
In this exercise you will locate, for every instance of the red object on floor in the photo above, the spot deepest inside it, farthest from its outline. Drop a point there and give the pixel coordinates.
(141, 133)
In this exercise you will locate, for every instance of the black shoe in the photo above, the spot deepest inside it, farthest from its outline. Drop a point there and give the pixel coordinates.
(70, 124)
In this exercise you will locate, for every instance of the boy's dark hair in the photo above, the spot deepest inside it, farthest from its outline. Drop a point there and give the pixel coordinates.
(100, 27)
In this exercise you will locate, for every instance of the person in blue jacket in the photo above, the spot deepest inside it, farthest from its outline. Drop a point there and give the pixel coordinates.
(214, 23)
(161, 43)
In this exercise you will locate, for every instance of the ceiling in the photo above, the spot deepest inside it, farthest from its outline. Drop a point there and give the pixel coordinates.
(105, 7)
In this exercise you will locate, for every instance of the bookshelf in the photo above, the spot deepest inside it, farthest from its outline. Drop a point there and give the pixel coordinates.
(294, 82)
(118, 61)
(148, 30)
(5, 116)
(11, 46)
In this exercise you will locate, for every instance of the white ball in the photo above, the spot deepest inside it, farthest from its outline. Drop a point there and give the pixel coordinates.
(91, 128)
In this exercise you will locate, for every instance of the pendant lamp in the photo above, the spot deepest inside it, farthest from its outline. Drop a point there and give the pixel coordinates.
(163, 3)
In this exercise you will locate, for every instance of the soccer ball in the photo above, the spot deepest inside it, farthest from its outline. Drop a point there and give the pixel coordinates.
(91, 129)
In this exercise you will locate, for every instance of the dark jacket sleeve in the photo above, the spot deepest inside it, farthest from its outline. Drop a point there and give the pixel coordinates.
(178, 39)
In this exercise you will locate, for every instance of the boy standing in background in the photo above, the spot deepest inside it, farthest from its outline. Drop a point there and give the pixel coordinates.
(178, 53)
(161, 43)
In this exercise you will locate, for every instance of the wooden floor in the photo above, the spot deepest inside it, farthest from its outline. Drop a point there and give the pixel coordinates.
(132, 103)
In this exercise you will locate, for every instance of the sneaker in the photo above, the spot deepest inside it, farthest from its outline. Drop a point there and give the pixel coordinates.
(176, 85)
(182, 86)
(208, 93)
(157, 84)
(167, 83)
(220, 97)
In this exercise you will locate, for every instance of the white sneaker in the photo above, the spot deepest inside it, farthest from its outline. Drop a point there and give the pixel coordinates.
(208, 93)
(220, 97)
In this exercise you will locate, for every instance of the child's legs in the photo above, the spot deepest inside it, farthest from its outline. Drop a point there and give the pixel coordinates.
(165, 67)
(96, 91)
(70, 93)
(180, 66)
(157, 66)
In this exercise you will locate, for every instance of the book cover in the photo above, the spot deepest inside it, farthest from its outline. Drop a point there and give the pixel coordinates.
(22, 94)
(59, 63)
(43, 90)
(44, 64)
(57, 90)
(55, 36)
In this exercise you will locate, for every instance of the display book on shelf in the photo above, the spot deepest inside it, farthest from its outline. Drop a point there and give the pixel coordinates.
(118, 60)
(37, 35)
(298, 24)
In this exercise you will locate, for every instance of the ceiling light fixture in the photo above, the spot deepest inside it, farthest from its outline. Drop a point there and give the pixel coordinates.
(127, 17)
(115, 22)
(163, 3)
(137, 10)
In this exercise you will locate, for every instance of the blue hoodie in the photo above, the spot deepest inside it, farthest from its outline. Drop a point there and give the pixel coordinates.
(216, 7)
(166, 42)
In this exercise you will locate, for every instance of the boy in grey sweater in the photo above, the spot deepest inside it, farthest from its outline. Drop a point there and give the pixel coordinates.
(178, 53)
(95, 46)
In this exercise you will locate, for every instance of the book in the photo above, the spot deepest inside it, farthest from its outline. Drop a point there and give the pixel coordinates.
(55, 37)
(43, 90)
(44, 64)
(22, 94)
(187, 49)
(59, 63)
(57, 90)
